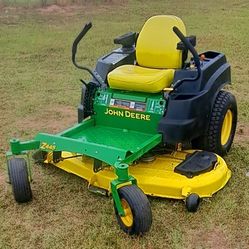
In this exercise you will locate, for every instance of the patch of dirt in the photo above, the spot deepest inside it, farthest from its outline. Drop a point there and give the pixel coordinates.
(65, 7)
(242, 134)
(55, 119)
(2, 178)
(215, 239)
(89, 6)
(52, 8)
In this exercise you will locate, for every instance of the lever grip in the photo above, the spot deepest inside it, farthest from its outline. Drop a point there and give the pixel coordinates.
(188, 45)
(79, 37)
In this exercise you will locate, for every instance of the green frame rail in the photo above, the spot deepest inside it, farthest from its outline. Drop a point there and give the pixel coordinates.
(118, 158)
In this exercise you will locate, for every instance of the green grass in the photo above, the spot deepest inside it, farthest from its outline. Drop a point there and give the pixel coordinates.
(43, 3)
(40, 90)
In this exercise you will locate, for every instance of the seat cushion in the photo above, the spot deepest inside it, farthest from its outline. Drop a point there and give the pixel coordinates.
(140, 79)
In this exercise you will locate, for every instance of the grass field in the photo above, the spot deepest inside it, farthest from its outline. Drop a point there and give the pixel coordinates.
(40, 90)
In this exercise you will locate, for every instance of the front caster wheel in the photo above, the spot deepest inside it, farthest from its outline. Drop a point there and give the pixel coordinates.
(18, 177)
(138, 216)
(192, 202)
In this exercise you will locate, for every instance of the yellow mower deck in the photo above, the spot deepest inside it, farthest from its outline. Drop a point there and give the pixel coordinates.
(156, 178)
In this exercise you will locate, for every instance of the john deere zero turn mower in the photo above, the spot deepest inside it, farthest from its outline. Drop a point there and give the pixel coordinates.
(143, 106)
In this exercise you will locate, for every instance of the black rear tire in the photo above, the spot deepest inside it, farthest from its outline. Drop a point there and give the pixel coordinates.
(18, 174)
(140, 211)
(213, 140)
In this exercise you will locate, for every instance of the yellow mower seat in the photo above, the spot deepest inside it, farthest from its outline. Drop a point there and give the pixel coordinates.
(156, 55)
(140, 79)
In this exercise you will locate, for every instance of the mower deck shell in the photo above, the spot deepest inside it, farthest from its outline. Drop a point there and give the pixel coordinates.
(156, 178)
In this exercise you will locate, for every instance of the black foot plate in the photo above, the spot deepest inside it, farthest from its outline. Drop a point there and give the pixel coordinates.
(197, 163)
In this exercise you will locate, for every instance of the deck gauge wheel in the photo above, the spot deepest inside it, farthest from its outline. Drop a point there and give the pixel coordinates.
(192, 202)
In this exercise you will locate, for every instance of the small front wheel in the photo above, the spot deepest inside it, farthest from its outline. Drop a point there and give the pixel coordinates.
(18, 175)
(192, 202)
(138, 217)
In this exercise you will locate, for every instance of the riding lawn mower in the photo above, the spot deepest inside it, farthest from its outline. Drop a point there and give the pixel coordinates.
(150, 122)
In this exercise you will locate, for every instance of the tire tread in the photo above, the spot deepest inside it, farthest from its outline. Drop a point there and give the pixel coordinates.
(211, 140)
(19, 179)
(141, 210)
